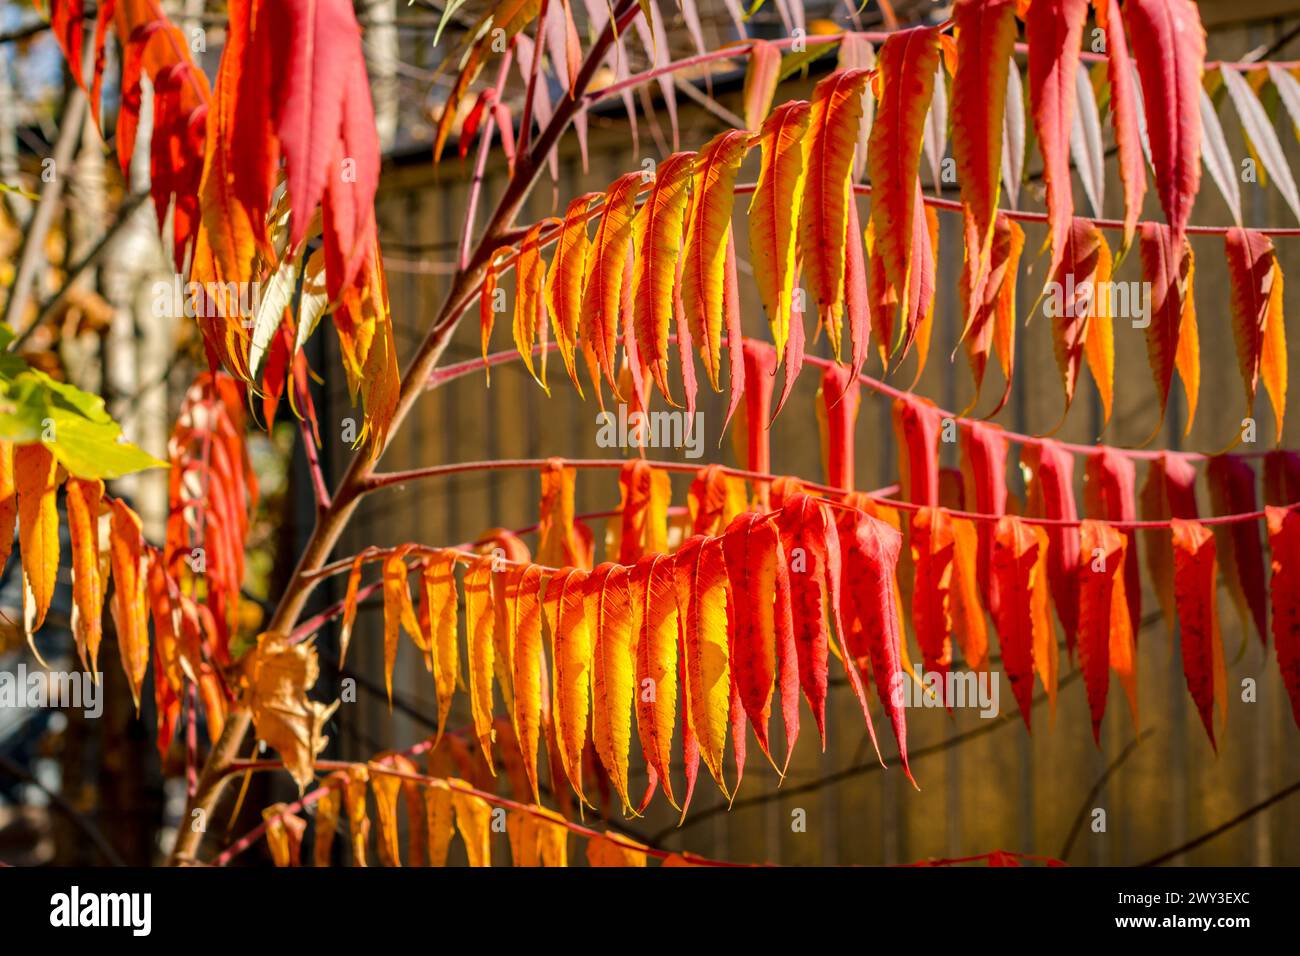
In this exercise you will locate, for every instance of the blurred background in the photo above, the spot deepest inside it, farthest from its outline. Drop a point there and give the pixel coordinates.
(97, 791)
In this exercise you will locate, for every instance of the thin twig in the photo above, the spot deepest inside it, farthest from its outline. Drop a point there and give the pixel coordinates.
(33, 249)
(124, 216)
(1082, 815)
(849, 773)
(78, 819)
(1224, 827)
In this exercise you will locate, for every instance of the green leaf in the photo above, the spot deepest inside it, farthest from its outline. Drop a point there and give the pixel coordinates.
(71, 423)
(793, 63)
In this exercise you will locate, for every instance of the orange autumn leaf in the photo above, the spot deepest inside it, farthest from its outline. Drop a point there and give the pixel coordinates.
(1284, 589)
(399, 612)
(8, 502)
(530, 311)
(828, 155)
(657, 234)
(969, 627)
(774, 214)
(646, 494)
(612, 687)
(130, 604)
(474, 823)
(84, 502)
(526, 713)
(558, 542)
(480, 625)
(656, 625)
(701, 581)
(571, 657)
(437, 621)
(564, 281)
(607, 261)
(761, 78)
(708, 232)
(614, 850)
(36, 482)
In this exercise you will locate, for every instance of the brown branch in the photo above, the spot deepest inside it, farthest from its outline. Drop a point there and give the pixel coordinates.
(1224, 827)
(33, 249)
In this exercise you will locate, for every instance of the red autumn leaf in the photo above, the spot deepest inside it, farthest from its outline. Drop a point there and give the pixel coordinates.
(1051, 495)
(1169, 275)
(932, 554)
(990, 325)
(321, 109)
(1054, 31)
(701, 579)
(984, 468)
(1124, 113)
(1021, 616)
(1281, 477)
(986, 33)
(873, 632)
(751, 435)
(1257, 326)
(1232, 483)
(916, 425)
(1109, 493)
(857, 295)
(838, 413)
(906, 68)
(757, 571)
(1198, 618)
(812, 549)
(1168, 492)
(1100, 561)
(1169, 47)
(1077, 297)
